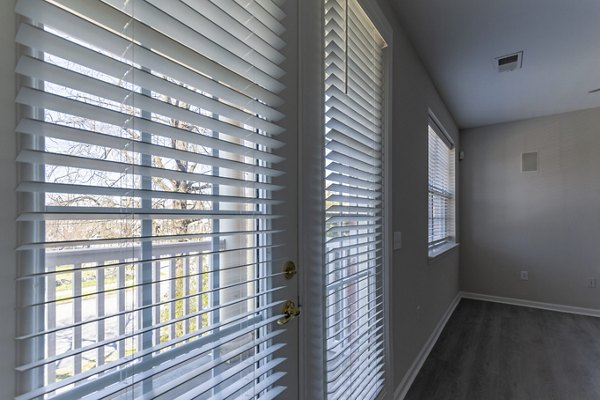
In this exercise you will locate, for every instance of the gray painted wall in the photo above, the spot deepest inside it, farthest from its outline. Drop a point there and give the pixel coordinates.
(421, 291)
(8, 201)
(546, 222)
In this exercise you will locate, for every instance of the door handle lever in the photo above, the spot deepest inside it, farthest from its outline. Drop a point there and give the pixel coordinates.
(291, 311)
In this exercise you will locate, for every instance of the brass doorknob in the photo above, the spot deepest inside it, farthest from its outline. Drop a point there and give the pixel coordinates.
(290, 310)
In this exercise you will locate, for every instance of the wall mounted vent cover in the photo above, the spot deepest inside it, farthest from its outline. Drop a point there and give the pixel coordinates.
(529, 162)
(509, 62)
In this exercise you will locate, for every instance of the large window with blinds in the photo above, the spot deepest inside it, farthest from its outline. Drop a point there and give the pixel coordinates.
(354, 196)
(148, 136)
(441, 188)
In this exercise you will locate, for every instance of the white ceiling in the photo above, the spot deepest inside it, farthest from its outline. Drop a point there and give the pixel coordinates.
(458, 41)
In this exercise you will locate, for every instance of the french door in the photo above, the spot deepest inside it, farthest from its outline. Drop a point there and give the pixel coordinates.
(159, 187)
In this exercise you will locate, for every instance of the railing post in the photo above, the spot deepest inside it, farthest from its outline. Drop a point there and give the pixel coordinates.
(51, 323)
(172, 297)
(121, 306)
(100, 311)
(77, 311)
(186, 293)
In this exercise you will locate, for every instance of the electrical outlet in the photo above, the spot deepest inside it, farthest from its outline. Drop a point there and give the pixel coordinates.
(592, 283)
(524, 275)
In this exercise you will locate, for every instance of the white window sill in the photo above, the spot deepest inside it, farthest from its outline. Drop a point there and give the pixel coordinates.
(438, 251)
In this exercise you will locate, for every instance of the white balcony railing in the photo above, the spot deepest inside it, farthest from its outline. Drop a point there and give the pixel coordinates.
(103, 289)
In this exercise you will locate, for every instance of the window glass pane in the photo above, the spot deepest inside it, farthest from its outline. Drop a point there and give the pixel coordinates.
(441, 188)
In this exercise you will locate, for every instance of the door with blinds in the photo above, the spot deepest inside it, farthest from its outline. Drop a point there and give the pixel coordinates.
(354, 203)
(157, 200)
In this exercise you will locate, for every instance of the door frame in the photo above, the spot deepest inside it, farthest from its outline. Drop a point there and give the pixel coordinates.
(312, 200)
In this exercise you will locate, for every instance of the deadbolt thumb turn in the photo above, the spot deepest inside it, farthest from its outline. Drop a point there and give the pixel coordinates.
(289, 269)
(290, 310)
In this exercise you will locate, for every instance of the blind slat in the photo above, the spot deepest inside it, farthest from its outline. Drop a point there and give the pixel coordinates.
(349, 180)
(353, 191)
(353, 200)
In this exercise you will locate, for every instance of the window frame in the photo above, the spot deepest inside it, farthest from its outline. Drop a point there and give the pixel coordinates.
(311, 201)
(439, 247)
(379, 19)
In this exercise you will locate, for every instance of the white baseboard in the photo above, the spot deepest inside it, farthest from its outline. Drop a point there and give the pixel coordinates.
(414, 369)
(592, 312)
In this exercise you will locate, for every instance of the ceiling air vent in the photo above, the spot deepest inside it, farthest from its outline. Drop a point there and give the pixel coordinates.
(509, 62)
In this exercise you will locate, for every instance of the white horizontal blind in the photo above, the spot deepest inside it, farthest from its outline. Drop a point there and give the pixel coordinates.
(441, 187)
(148, 135)
(354, 76)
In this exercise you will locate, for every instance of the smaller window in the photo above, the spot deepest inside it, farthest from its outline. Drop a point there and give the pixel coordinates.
(441, 190)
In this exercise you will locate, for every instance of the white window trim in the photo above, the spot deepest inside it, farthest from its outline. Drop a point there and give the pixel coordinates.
(435, 251)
